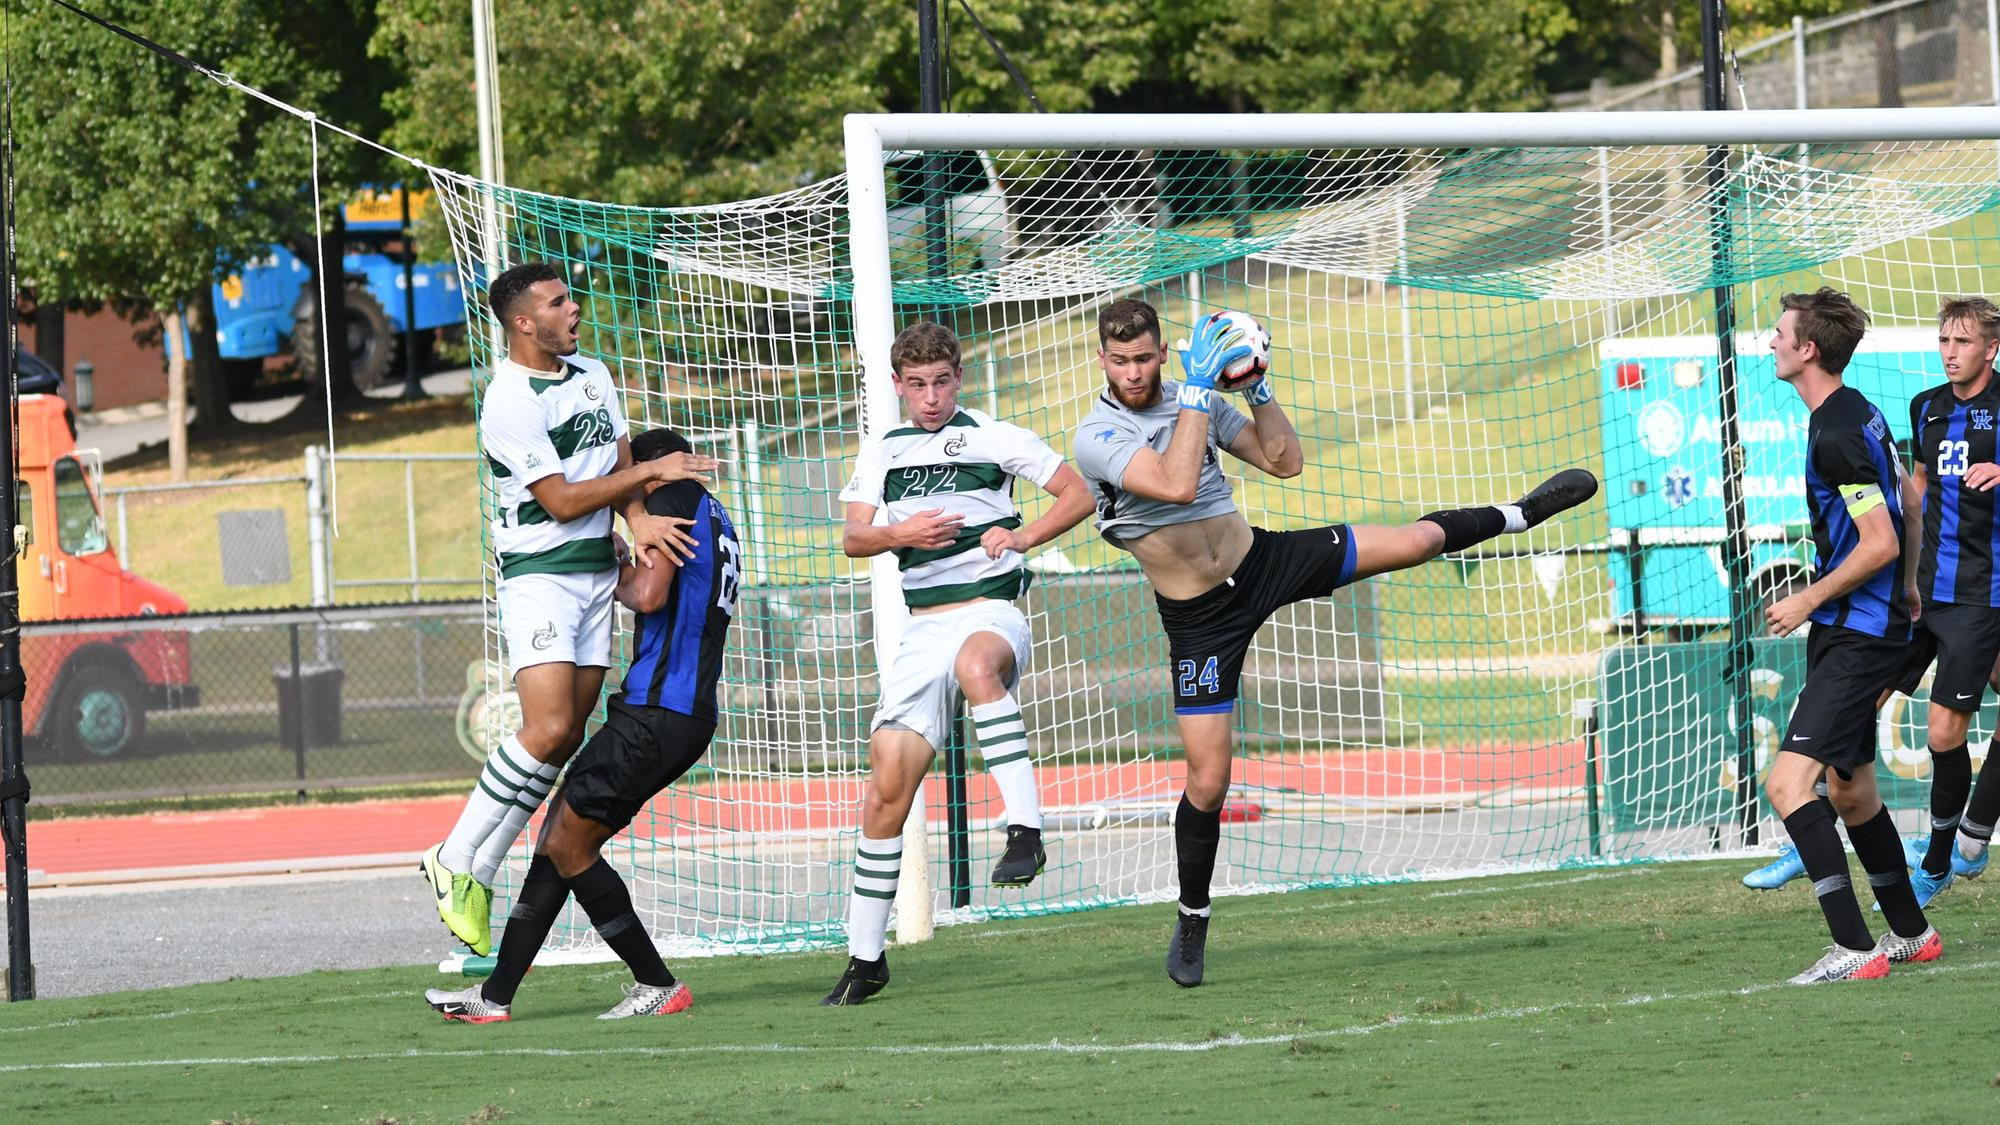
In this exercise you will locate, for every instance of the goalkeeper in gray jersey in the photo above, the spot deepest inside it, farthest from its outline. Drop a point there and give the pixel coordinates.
(1148, 450)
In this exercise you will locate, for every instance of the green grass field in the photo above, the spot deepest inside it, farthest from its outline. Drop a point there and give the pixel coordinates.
(1636, 993)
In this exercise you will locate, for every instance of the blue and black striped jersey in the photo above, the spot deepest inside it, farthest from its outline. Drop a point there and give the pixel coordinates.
(1950, 435)
(1851, 466)
(677, 649)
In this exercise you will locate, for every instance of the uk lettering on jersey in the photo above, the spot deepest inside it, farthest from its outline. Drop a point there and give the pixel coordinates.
(677, 649)
(1961, 537)
(1852, 469)
(536, 423)
(966, 467)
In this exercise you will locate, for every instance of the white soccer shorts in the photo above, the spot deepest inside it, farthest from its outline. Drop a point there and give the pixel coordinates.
(923, 682)
(548, 618)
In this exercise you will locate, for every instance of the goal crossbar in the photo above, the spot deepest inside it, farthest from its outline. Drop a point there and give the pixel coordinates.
(1266, 131)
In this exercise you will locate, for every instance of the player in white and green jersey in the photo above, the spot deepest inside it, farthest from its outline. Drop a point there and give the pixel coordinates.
(944, 485)
(554, 436)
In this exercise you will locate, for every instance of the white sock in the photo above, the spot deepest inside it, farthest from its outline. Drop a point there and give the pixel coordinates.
(1512, 514)
(1970, 847)
(1003, 742)
(877, 865)
(1192, 912)
(493, 852)
(507, 768)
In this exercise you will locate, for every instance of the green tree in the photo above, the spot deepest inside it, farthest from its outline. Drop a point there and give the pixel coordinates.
(673, 102)
(138, 178)
(1302, 56)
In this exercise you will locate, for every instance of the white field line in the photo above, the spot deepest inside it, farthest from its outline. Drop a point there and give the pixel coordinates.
(1051, 1047)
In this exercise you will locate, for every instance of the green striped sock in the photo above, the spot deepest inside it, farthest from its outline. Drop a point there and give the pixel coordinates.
(877, 865)
(1003, 742)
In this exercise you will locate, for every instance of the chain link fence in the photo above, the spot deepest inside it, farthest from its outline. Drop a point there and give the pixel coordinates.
(383, 526)
(1903, 53)
(158, 707)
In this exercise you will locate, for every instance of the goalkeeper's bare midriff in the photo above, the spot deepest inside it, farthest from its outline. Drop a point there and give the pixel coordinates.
(1184, 560)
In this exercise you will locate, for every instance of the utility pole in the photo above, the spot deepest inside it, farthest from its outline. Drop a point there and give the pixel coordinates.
(492, 156)
(13, 777)
(1736, 542)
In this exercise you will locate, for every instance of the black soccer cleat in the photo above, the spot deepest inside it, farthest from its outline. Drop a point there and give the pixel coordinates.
(1023, 859)
(1188, 951)
(861, 980)
(1557, 494)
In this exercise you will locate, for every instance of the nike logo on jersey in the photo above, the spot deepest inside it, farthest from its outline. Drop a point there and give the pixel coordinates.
(1802, 738)
(1335, 532)
(1965, 695)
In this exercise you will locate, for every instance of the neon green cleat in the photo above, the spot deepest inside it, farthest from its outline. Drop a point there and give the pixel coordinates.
(465, 905)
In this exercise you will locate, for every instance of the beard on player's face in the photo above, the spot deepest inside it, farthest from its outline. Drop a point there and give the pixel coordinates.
(1145, 395)
(1132, 371)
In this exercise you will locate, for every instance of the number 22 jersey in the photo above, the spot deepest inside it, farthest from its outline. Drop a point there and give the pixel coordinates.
(966, 467)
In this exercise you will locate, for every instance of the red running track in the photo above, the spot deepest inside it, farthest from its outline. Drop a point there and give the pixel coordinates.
(376, 833)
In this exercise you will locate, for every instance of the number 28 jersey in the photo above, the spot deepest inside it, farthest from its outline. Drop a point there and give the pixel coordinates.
(535, 424)
(1950, 436)
(677, 649)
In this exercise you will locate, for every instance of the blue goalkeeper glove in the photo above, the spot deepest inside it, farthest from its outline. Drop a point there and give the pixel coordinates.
(1204, 358)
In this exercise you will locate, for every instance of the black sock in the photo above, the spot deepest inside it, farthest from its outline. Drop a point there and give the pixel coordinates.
(602, 895)
(1880, 851)
(1951, 780)
(1984, 809)
(1464, 527)
(1195, 835)
(1812, 830)
(543, 893)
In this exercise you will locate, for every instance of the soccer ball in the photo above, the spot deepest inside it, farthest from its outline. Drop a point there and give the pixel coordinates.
(1241, 327)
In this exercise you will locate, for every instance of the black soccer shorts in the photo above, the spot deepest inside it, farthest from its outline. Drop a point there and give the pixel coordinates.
(635, 754)
(1846, 672)
(1209, 634)
(1964, 640)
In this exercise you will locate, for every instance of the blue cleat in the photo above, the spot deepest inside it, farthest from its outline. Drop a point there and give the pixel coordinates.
(1969, 868)
(1787, 867)
(1928, 886)
(1914, 850)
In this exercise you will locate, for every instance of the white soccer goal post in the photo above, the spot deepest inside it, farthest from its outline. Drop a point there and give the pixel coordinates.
(1462, 303)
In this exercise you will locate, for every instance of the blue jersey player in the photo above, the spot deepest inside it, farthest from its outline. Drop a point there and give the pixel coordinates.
(1956, 591)
(658, 727)
(1858, 603)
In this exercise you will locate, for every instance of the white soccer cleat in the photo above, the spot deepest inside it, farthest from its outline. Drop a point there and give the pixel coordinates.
(652, 1000)
(1842, 963)
(1926, 946)
(467, 1006)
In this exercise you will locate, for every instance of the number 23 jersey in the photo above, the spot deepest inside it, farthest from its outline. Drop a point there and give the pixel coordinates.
(1950, 436)
(677, 649)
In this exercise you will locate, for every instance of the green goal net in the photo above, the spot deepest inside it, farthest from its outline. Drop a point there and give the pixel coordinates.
(1451, 325)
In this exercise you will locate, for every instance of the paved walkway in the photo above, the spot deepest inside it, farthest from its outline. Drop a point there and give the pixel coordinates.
(126, 430)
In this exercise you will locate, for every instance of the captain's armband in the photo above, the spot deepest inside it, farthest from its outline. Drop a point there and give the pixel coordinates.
(1861, 498)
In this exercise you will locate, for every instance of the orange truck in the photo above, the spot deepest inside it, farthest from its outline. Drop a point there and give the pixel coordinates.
(89, 686)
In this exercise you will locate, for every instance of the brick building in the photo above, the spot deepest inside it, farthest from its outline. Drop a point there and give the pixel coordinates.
(127, 372)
